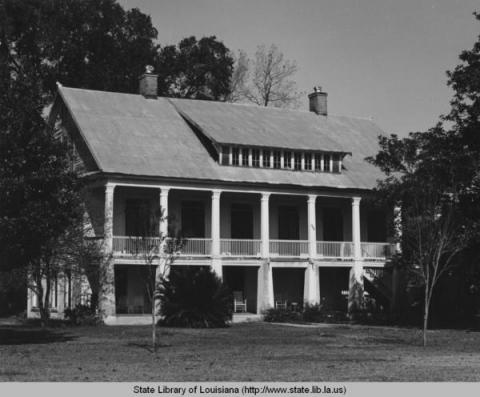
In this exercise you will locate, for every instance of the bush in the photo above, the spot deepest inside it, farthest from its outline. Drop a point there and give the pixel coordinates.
(309, 314)
(195, 297)
(82, 315)
(282, 316)
(314, 313)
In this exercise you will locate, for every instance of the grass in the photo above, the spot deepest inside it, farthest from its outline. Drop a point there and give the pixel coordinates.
(244, 352)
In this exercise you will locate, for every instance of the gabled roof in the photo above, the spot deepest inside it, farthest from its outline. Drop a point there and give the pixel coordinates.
(131, 135)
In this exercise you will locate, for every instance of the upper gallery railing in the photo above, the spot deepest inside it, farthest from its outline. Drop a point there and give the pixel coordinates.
(240, 247)
(338, 250)
(289, 248)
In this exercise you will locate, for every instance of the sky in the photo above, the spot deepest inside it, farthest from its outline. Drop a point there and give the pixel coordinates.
(379, 59)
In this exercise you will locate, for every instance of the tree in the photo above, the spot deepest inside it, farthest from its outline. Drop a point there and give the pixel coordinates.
(92, 44)
(196, 69)
(269, 80)
(238, 82)
(89, 44)
(159, 252)
(195, 297)
(39, 192)
(435, 175)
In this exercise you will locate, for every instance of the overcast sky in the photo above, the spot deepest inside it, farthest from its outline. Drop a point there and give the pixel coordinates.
(384, 59)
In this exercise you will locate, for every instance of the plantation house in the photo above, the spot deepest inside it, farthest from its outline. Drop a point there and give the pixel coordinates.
(275, 201)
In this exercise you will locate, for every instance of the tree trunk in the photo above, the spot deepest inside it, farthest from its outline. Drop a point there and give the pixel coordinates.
(154, 328)
(425, 315)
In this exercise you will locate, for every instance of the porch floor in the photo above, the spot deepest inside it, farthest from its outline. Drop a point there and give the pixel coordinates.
(145, 319)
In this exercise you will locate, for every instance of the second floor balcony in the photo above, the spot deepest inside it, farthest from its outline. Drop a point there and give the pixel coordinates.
(125, 246)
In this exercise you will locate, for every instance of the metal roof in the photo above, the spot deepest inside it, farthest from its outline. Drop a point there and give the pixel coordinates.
(129, 134)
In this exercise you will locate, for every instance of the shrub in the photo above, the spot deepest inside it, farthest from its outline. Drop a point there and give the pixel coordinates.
(282, 316)
(313, 313)
(82, 315)
(195, 297)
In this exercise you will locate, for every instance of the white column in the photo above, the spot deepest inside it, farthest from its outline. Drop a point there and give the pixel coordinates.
(271, 159)
(164, 211)
(108, 222)
(240, 156)
(282, 159)
(265, 224)
(216, 223)
(230, 156)
(216, 260)
(107, 295)
(312, 226)
(249, 157)
(265, 295)
(330, 167)
(322, 162)
(260, 157)
(302, 161)
(355, 294)
(313, 162)
(311, 294)
(357, 250)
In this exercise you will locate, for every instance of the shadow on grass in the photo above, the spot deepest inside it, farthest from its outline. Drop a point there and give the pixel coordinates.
(148, 346)
(18, 335)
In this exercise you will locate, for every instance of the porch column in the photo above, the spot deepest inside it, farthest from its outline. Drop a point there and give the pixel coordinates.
(163, 224)
(311, 290)
(312, 227)
(265, 224)
(107, 298)
(355, 295)
(162, 270)
(216, 261)
(265, 287)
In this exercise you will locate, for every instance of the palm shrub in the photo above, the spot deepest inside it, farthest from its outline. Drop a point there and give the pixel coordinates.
(195, 297)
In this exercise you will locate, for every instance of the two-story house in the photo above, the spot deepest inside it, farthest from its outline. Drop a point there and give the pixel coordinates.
(273, 200)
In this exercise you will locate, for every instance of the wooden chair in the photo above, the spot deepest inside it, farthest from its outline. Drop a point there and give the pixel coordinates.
(239, 304)
(280, 303)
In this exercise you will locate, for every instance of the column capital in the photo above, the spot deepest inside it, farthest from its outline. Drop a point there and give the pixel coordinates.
(265, 196)
(164, 190)
(216, 193)
(356, 200)
(110, 187)
(312, 198)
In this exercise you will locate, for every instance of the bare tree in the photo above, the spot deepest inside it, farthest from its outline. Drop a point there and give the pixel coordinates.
(159, 252)
(432, 238)
(239, 79)
(266, 80)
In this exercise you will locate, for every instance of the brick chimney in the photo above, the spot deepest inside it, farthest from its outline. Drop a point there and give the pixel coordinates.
(148, 83)
(318, 101)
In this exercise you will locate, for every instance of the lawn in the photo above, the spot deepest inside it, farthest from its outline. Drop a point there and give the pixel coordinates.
(244, 352)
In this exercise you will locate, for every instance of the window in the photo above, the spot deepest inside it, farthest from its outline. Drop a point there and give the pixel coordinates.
(225, 155)
(235, 156)
(255, 158)
(318, 162)
(193, 219)
(276, 158)
(245, 157)
(298, 161)
(138, 220)
(336, 163)
(287, 162)
(266, 158)
(326, 160)
(308, 161)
